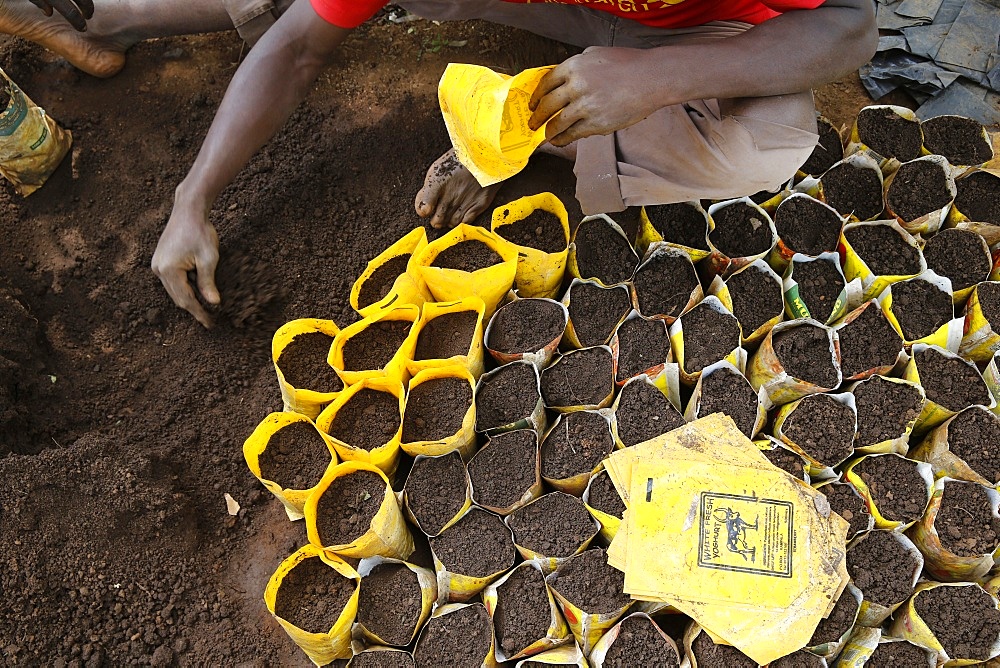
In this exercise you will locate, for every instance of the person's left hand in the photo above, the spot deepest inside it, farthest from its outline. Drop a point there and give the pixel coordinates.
(77, 12)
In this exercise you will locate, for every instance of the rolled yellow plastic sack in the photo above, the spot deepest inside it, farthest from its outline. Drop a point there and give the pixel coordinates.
(406, 288)
(31, 143)
(539, 273)
(308, 401)
(567, 655)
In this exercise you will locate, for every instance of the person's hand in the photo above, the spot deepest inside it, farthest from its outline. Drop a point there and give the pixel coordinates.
(77, 12)
(189, 242)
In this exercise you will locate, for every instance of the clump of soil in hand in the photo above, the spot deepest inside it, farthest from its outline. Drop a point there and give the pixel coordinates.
(724, 391)
(435, 409)
(847, 503)
(972, 435)
(588, 582)
(884, 409)
(920, 308)
(554, 525)
(889, 134)
(960, 255)
(896, 487)
(741, 231)
(710, 655)
(368, 420)
(664, 284)
(989, 302)
(478, 545)
(868, 342)
(395, 659)
(346, 508)
(757, 298)
(884, 249)
(471, 255)
(709, 336)
(603, 254)
(435, 491)
(540, 230)
(596, 311)
(838, 622)
(965, 521)
(296, 457)
(823, 427)
(390, 603)
(960, 140)
(523, 614)
(509, 395)
(800, 659)
(504, 470)
(820, 283)
(604, 496)
(896, 654)
(639, 643)
(644, 413)
(964, 620)
(526, 326)
(446, 336)
(251, 292)
(304, 366)
(882, 568)
(951, 381)
(460, 639)
(806, 226)
(642, 344)
(804, 353)
(312, 595)
(788, 461)
(375, 345)
(828, 152)
(580, 378)
(853, 191)
(579, 443)
(979, 197)
(381, 280)
(682, 224)
(918, 188)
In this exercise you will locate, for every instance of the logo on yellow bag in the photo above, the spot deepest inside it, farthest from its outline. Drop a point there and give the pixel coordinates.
(746, 534)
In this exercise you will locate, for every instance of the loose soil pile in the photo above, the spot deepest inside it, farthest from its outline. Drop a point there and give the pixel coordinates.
(504, 470)
(847, 503)
(478, 545)
(710, 655)
(741, 231)
(972, 434)
(604, 496)
(804, 353)
(853, 191)
(460, 639)
(896, 487)
(580, 378)
(312, 595)
(757, 298)
(884, 249)
(509, 395)
(252, 293)
(918, 188)
(576, 446)
(375, 345)
(555, 525)
(828, 152)
(642, 345)
(296, 457)
(709, 336)
(868, 342)
(644, 412)
(788, 461)
(378, 285)
(838, 622)
(989, 301)
(368, 420)
(979, 197)
(435, 409)
(390, 603)
(682, 224)
(346, 508)
(541, 230)
(663, 285)
(889, 134)
(526, 326)
(965, 521)
(471, 255)
(435, 491)
(595, 312)
(604, 254)
(921, 308)
(895, 654)
(960, 255)
(884, 409)
(446, 336)
(639, 643)
(950, 381)
(523, 614)
(724, 391)
(397, 659)
(882, 568)
(820, 283)
(963, 619)
(588, 582)
(823, 427)
(960, 140)
(806, 226)
(303, 363)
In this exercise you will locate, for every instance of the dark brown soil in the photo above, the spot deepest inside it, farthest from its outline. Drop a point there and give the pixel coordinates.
(460, 639)
(896, 654)
(526, 326)
(965, 521)
(884, 250)
(971, 437)
(368, 420)
(596, 311)
(960, 255)
(312, 595)
(806, 226)
(4, 99)
(664, 284)
(741, 231)
(396, 659)
(296, 457)
(345, 510)
(603, 254)
(881, 568)
(847, 503)
(471, 255)
(374, 346)
(639, 643)
(823, 427)
(756, 297)
(960, 140)
(895, 486)
(580, 378)
(800, 659)
(589, 583)
(446, 336)
(539, 664)
(523, 614)
(787, 461)
(554, 525)
(868, 342)
(380, 282)
(709, 336)
(435, 491)
(505, 469)
(884, 409)
(979, 197)
(435, 409)
(390, 603)
(644, 413)
(828, 152)
(604, 496)
(252, 293)
(839, 622)
(917, 189)
(478, 545)
(682, 224)
(804, 353)
(921, 308)
(710, 655)
(950, 381)
(723, 391)
(820, 283)
(582, 440)
(642, 344)
(304, 366)
(889, 134)
(853, 191)
(509, 395)
(989, 301)
(540, 230)
(965, 620)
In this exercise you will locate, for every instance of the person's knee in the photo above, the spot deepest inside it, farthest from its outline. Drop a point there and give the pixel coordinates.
(761, 155)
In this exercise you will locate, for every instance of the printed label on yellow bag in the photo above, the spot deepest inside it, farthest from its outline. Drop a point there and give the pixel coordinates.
(539, 274)
(408, 288)
(303, 400)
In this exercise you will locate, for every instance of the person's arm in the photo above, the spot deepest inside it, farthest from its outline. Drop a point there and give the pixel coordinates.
(276, 76)
(607, 89)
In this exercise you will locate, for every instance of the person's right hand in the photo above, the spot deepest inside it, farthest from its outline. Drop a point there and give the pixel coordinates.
(189, 242)
(77, 12)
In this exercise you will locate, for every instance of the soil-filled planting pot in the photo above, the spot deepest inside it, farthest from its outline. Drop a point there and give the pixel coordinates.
(960, 255)
(380, 282)
(303, 363)
(665, 284)
(346, 508)
(820, 283)
(504, 473)
(636, 641)
(604, 497)
(918, 188)
(436, 491)
(458, 637)
(806, 225)
(296, 456)
(471, 553)
(869, 343)
(840, 620)
(727, 391)
(448, 335)
(829, 150)
(853, 190)
(963, 620)
(978, 197)
(741, 230)
(885, 250)
(965, 522)
(580, 379)
(573, 448)
(602, 252)
(683, 224)
(526, 326)
(901, 653)
(375, 345)
(804, 353)
(889, 134)
(786, 459)
(898, 487)
(708, 334)
(962, 141)
(471, 255)
(522, 613)
(884, 566)
(846, 502)
(382, 659)
(368, 420)
(312, 596)
(541, 230)
(554, 526)
(756, 297)
(887, 410)
(643, 412)
(590, 594)
(435, 409)
(595, 311)
(972, 434)
(822, 427)
(506, 396)
(390, 604)
(950, 381)
(920, 307)
(643, 346)
(706, 654)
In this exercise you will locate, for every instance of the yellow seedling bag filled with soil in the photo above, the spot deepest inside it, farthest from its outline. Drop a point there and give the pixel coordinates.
(954, 215)
(456, 587)
(720, 289)
(489, 660)
(765, 369)
(541, 357)
(667, 382)
(546, 563)
(855, 145)
(900, 443)
(872, 613)
(737, 356)
(648, 235)
(855, 267)
(830, 650)
(539, 274)
(301, 400)
(817, 470)
(650, 372)
(573, 266)
(654, 252)
(979, 341)
(768, 443)
(795, 307)
(396, 367)
(885, 369)
(321, 648)
(574, 485)
(992, 143)
(294, 500)
(428, 593)
(473, 360)
(536, 420)
(693, 410)
(487, 115)
(532, 492)
(567, 655)
(408, 287)
(570, 338)
(936, 451)
(947, 336)
(405, 501)
(490, 284)
(31, 143)
(720, 264)
(609, 523)
(781, 255)
(603, 403)
(385, 456)
(387, 536)
(859, 647)
(881, 522)
(464, 440)
(600, 651)
(557, 633)
(928, 223)
(857, 161)
(934, 413)
(587, 628)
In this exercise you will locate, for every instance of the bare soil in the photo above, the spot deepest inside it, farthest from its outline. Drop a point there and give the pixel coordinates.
(723, 391)
(960, 140)
(393, 659)
(639, 642)
(478, 545)
(390, 602)
(881, 568)
(921, 308)
(663, 285)
(381, 280)
(788, 461)
(509, 395)
(435, 491)
(582, 440)
(896, 487)
(951, 382)
(838, 622)
(644, 412)
(448, 335)
(579, 378)
(435, 409)
(541, 230)
(523, 613)
(346, 508)
(804, 353)
(461, 639)
(989, 301)
(710, 655)
(806, 226)
(823, 427)
(313, 595)
(642, 344)
(965, 521)
(800, 659)
(604, 254)
(471, 255)
(296, 457)
(846, 502)
(884, 409)
(554, 525)
(709, 336)
(827, 153)
(604, 496)
(375, 345)
(368, 420)
(893, 654)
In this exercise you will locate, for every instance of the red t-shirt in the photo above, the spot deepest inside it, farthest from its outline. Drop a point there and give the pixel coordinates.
(658, 13)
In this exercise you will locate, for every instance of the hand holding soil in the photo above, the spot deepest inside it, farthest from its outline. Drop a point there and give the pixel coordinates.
(188, 243)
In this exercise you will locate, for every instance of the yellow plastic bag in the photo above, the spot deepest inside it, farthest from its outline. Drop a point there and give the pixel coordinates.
(855, 145)
(765, 369)
(954, 215)
(979, 342)
(487, 114)
(936, 451)
(947, 336)
(547, 563)
(795, 307)
(321, 648)
(872, 613)
(817, 470)
(456, 517)
(536, 420)
(567, 655)
(396, 367)
(900, 443)
(31, 143)
(928, 223)
(603, 646)
(884, 369)
(881, 522)
(557, 633)
(652, 371)
(532, 492)
(573, 266)
(489, 660)
(648, 235)
(396, 654)
(860, 646)
(539, 274)
(781, 254)
(933, 413)
(667, 382)
(473, 360)
(408, 288)
(385, 456)
(855, 267)
(654, 252)
(720, 289)
(767, 443)
(301, 400)
(693, 410)
(571, 338)
(861, 160)
(609, 523)
(737, 356)
(555, 368)
(540, 358)
(428, 593)
(456, 587)
(573, 485)
(464, 440)
(718, 263)
(830, 650)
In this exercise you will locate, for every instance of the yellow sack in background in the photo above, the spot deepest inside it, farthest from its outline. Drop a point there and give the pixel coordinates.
(464, 440)
(31, 143)
(979, 341)
(396, 367)
(557, 633)
(567, 655)
(408, 287)
(539, 274)
(936, 451)
(385, 456)
(487, 114)
(473, 358)
(301, 400)
(428, 593)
